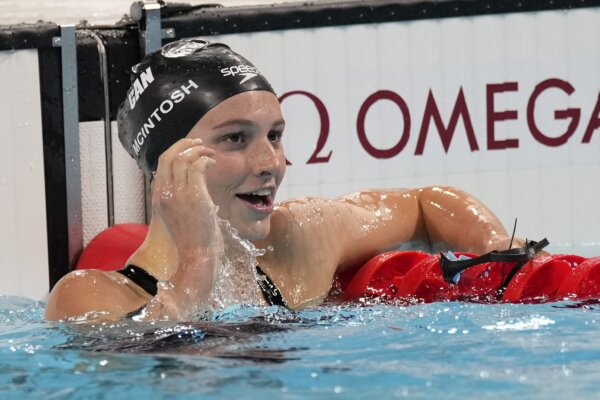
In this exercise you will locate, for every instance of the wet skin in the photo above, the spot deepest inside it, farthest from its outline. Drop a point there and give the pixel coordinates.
(233, 158)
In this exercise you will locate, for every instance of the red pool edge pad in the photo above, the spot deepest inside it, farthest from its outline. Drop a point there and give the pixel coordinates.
(539, 279)
(377, 277)
(390, 276)
(110, 249)
(583, 283)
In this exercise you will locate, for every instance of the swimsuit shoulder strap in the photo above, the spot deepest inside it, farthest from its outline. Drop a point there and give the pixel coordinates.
(270, 292)
(140, 277)
(149, 283)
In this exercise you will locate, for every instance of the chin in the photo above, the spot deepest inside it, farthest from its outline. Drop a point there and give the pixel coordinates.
(257, 230)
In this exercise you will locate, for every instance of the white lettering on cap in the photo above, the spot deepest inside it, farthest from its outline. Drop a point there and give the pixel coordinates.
(159, 112)
(139, 85)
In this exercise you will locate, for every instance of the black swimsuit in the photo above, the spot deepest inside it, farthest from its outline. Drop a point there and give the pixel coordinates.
(140, 277)
(149, 283)
(270, 292)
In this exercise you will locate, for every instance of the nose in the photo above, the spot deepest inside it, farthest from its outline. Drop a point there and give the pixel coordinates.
(266, 159)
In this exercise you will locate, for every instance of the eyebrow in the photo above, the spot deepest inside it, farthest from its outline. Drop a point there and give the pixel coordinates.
(244, 122)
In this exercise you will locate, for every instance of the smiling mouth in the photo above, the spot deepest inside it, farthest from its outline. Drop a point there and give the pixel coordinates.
(261, 199)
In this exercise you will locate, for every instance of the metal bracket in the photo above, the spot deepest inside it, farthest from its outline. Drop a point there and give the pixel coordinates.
(68, 49)
(147, 14)
(153, 36)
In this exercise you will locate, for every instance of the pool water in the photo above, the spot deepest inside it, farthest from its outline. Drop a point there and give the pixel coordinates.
(440, 350)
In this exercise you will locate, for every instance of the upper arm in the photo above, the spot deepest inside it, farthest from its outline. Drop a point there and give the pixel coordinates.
(92, 294)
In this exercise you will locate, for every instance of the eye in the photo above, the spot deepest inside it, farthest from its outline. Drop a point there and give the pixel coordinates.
(237, 138)
(275, 136)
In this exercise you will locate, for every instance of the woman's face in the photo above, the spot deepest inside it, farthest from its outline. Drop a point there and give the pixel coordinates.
(245, 132)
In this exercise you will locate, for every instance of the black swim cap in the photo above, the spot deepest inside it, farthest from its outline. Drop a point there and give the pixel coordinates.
(173, 88)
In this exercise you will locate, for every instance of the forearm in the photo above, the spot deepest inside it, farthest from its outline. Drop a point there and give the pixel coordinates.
(185, 261)
(186, 293)
(458, 221)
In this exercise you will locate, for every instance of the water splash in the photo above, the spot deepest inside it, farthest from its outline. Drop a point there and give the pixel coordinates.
(236, 278)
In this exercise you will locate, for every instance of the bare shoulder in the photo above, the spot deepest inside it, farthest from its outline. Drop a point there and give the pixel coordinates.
(314, 238)
(305, 252)
(297, 225)
(93, 294)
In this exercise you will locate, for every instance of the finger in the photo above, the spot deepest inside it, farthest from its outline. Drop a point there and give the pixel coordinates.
(163, 171)
(181, 145)
(162, 190)
(196, 173)
(182, 162)
(165, 168)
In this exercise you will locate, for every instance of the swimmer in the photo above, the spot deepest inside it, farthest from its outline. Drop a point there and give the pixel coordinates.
(207, 127)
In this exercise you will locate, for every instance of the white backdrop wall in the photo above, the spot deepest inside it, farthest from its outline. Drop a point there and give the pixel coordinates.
(128, 182)
(23, 241)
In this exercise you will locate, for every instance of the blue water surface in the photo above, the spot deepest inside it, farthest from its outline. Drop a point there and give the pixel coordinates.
(441, 350)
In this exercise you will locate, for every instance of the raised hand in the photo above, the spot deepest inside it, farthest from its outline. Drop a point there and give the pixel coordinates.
(180, 197)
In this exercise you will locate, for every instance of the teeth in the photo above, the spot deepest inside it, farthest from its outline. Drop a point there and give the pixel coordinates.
(262, 192)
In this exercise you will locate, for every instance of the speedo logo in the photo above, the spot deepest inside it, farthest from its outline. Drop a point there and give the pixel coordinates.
(139, 85)
(247, 71)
